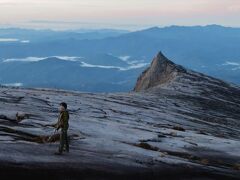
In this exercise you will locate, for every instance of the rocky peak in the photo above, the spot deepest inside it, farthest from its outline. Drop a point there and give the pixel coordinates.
(161, 71)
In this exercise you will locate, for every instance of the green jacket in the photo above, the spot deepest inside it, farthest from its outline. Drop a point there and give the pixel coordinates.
(63, 121)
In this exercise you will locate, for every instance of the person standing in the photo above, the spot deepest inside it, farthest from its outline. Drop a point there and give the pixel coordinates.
(63, 124)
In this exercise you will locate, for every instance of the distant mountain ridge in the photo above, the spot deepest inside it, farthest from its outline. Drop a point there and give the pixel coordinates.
(212, 50)
(72, 73)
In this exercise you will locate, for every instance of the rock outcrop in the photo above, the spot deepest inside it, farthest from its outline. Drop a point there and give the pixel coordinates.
(161, 71)
(179, 125)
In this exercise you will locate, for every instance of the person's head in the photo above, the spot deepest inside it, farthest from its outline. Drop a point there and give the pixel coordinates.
(63, 106)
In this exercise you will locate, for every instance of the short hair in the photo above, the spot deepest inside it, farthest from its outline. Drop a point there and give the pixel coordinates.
(63, 104)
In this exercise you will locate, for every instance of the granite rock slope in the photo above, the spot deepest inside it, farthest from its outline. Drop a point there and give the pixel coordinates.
(177, 124)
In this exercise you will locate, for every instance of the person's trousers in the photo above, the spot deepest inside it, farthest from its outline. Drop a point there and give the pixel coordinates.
(63, 141)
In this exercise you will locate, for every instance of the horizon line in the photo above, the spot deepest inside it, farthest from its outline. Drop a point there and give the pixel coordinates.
(141, 27)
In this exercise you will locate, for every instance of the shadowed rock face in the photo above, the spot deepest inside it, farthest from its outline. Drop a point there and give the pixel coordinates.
(179, 125)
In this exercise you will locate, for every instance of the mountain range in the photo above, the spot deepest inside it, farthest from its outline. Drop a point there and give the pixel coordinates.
(117, 57)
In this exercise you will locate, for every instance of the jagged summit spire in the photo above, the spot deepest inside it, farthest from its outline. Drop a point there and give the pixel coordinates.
(160, 55)
(161, 58)
(161, 71)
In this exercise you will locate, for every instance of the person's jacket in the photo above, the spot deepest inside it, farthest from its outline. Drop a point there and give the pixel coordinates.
(62, 121)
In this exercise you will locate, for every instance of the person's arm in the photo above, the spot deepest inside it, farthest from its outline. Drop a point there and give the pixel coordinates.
(59, 124)
(56, 125)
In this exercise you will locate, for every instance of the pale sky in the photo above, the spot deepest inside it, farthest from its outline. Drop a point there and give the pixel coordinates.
(124, 14)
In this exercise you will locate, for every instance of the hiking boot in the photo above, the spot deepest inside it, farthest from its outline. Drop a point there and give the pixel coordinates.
(65, 149)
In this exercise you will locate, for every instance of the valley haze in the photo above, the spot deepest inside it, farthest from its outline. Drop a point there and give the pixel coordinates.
(110, 60)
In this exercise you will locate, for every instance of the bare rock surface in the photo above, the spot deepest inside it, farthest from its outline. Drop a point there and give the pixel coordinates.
(177, 124)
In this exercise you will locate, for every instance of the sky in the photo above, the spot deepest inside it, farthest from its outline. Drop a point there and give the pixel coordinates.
(117, 14)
